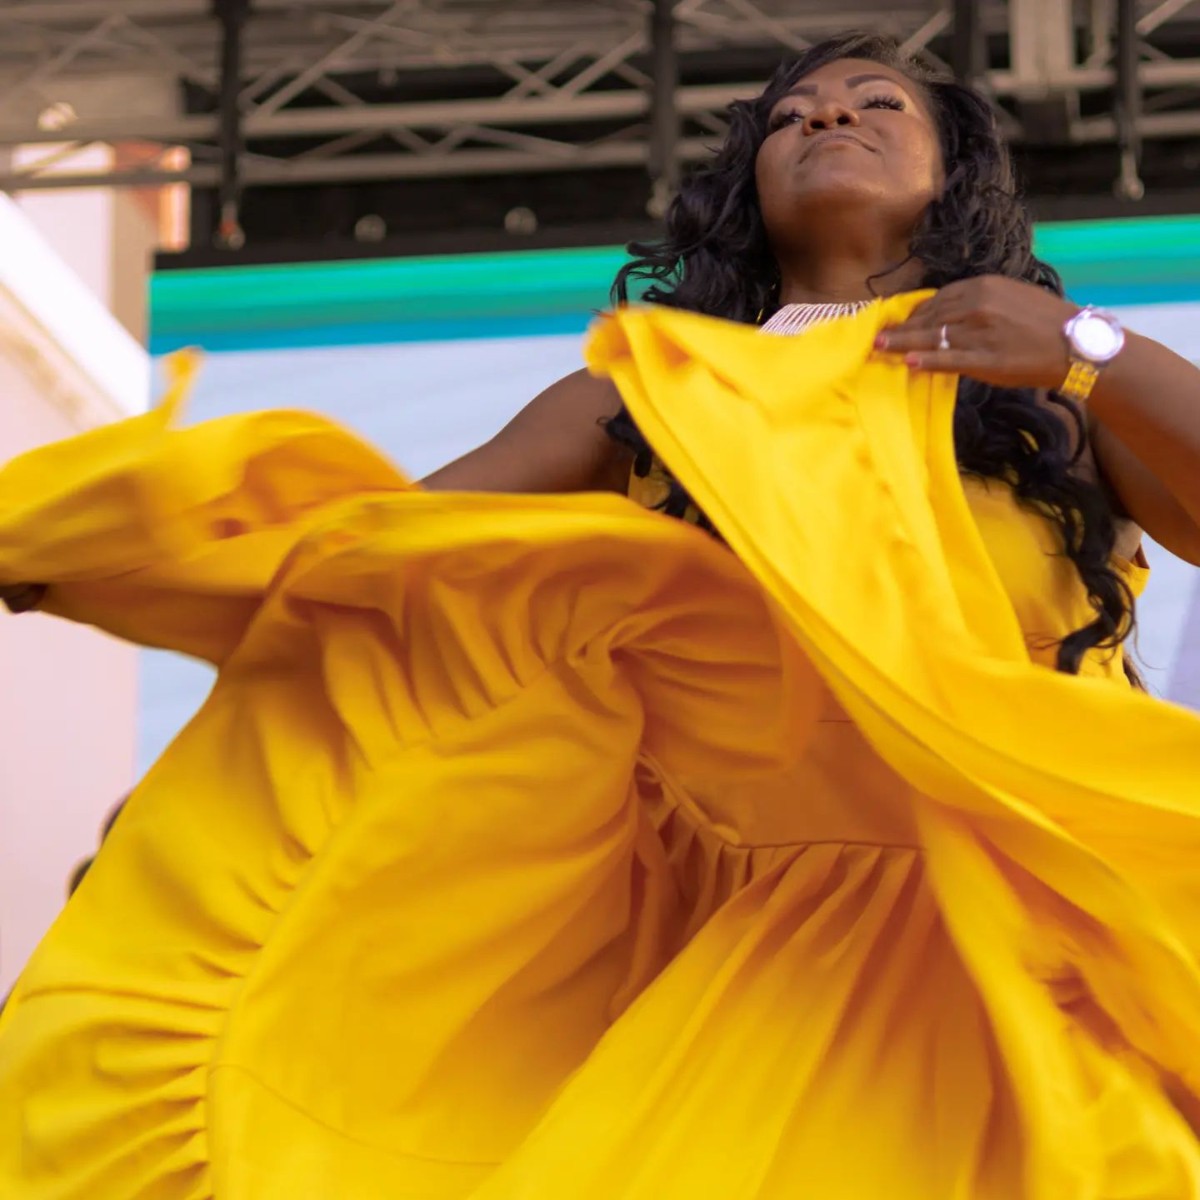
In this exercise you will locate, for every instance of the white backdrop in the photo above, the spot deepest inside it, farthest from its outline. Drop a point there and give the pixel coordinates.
(426, 403)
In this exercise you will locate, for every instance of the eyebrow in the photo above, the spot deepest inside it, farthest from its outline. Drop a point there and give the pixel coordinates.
(810, 89)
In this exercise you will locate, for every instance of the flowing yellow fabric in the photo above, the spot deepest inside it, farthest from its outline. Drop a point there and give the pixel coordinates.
(518, 851)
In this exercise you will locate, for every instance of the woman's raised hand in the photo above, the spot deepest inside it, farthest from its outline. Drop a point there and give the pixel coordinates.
(996, 330)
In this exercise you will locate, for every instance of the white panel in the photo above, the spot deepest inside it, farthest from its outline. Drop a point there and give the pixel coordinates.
(1168, 638)
(70, 314)
(1175, 325)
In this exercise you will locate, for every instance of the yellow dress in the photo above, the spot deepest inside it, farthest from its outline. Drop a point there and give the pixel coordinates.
(514, 854)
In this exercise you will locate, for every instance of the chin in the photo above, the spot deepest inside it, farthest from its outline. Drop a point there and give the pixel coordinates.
(832, 196)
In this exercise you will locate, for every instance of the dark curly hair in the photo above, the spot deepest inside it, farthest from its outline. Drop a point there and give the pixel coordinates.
(715, 259)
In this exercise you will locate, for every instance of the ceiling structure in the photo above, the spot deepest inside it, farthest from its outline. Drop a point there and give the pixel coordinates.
(574, 100)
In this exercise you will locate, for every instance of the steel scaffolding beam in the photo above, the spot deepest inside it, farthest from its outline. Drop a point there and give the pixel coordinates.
(360, 89)
(1128, 109)
(369, 167)
(630, 104)
(968, 47)
(665, 127)
(232, 15)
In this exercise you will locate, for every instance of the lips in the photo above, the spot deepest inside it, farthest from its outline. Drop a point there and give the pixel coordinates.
(819, 139)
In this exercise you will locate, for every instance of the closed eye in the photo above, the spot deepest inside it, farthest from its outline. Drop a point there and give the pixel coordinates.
(792, 115)
(788, 117)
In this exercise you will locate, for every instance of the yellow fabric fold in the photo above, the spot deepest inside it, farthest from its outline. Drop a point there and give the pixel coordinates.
(168, 536)
(923, 650)
(516, 853)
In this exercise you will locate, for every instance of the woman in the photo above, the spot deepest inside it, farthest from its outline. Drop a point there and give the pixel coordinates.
(535, 845)
(767, 226)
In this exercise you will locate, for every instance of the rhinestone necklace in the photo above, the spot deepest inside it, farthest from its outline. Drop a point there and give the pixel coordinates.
(796, 318)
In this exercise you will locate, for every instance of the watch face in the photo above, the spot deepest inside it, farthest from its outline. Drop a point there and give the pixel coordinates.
(1096, 338)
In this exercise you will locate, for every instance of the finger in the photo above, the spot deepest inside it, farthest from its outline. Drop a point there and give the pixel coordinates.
(894, 335)
(960, 301)
(925, 311)
(901, 339)
(930, 314)
(953, 362)
(926, 316)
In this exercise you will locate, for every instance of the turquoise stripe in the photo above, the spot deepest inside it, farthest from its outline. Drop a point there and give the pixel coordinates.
(463, 287)
(371, 301)
(372, 333)
(1166, 246)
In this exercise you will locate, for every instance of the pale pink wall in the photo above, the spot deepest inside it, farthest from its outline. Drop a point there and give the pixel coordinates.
(67, 727)
(76, 221)
(71, 222)
(107, 237)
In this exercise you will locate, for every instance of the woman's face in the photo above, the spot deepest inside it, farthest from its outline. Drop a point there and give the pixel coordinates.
(851, 138)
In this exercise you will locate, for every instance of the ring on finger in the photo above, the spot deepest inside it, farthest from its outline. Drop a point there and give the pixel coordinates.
(943, 338)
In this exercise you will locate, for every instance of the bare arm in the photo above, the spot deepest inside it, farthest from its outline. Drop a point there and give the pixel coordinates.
(1145, 416)
(557, 443)
(1144, 413)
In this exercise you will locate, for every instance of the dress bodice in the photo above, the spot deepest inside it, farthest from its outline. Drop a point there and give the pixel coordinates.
(1042, 584)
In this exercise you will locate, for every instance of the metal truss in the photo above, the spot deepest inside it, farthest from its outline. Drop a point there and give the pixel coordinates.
(330, 91)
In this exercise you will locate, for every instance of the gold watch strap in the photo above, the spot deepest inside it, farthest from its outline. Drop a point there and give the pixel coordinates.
(1080, 380)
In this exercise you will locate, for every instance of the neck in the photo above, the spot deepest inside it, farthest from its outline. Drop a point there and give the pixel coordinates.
(851, 273)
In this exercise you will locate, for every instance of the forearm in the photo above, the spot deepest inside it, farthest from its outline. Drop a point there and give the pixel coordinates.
(1149, 399)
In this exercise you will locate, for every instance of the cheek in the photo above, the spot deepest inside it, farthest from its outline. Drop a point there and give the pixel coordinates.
(762, 169)
(769, 167)
(762, 187)
(925, 172)
(934, 168)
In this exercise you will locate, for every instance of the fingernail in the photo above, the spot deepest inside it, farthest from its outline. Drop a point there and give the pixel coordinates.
(912, 360)
(881, 342)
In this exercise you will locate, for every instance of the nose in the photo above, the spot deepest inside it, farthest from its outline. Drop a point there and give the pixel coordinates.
(830, 114)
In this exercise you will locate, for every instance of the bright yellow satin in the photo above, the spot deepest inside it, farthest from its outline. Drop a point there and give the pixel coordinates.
(513, 854)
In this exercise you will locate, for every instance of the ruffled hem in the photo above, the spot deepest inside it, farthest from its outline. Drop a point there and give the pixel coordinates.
(510, 855)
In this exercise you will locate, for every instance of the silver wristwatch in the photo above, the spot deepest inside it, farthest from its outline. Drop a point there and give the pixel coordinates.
(1094, 339)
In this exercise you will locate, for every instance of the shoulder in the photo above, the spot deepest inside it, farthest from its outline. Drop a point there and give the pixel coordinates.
(557, 443)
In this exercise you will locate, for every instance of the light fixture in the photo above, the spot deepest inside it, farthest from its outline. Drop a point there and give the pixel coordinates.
(520, 221)
(57, 116)
(370, 228)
